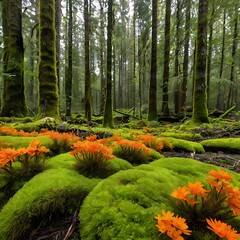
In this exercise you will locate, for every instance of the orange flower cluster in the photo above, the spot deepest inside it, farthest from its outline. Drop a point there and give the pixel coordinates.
(4, 130)
(62, 141)
(222, 181)
(222, 229)
(222, 197)
(132, 145)
(89, 149)
(153, 142)
(23, 155)
(174, 227)
(190, 193)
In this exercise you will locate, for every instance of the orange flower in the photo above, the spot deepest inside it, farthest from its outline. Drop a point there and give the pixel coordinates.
(220, 175)
(91, 138)
(197, 189)
(233, 199)
(172, 226)
(181, 193)
(222, 229)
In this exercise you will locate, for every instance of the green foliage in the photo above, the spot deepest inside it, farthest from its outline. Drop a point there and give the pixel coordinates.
(123, 206)
(42, 200)
(182, 135)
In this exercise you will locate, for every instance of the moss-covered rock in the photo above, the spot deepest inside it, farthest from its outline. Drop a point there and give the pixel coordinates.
(185, 145)
(124, 205)
(222, 144)
(48, 196)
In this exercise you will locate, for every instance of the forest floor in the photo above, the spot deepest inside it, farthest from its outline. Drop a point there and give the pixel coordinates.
(67, 228)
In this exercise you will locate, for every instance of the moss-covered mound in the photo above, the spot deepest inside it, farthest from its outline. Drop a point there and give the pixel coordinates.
(124, 205)
(45, 198)
(17, 142)
(182, 135)
(68, 161)
(189, 146)
(222, 144)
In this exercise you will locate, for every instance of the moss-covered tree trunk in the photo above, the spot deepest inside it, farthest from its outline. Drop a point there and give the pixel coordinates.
(48, 105)
(200, 111)
(165, 108)
(13, 101)
(108, 110)
(152, 104)
(88, 107)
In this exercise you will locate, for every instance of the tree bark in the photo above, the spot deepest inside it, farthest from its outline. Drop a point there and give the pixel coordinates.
(200, 111)
(108, 110)
(186, 56)
(152, 107)
(232, 91)
(165, 108)
(47, 74)
(88, 107)
(68, 83)
(13, 101)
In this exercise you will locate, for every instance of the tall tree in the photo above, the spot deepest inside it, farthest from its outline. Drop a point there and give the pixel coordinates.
(58, 32)
(152, 104)
(219, 104)
(88, 110)
(13, 101)
(210, 44)
(47, 74)
(108, 110)
(232, 92)
(165, 108)
(177, 85)
(186, 55)
(68, 83)
(200, 111)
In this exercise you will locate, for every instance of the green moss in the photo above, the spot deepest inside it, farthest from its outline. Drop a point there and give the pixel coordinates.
(124, 205)
(68, 161)
(50, 194)
(225, 144)
(186, 145)
(181, 135)
(17, 142)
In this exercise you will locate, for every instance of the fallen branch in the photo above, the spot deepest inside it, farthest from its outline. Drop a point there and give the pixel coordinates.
(227, 112)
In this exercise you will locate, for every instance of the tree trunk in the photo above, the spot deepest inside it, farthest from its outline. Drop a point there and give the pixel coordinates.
(102, 51)
(177, 85)
(47, 74)
(209, 58)
(186, 56)
(108, 110)
(232, 92)
(68, 84)
(152, 107)
(165, 108)
(58, 37)
(13, 101)
(219, 97)
(200, 111)
(88, 107)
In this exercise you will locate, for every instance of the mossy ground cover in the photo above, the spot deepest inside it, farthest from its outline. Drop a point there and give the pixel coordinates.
(124, 205)
(52, 193)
